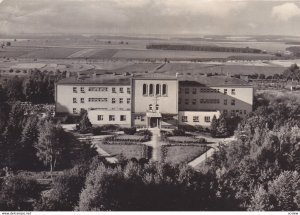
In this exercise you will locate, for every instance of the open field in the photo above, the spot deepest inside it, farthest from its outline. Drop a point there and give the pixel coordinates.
(129, 54)
(178, 55)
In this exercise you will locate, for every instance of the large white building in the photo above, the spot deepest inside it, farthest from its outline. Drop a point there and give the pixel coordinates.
(154, 100)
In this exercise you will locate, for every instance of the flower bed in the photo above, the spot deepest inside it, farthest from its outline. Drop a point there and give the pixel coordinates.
(185, 140)
(126, 139)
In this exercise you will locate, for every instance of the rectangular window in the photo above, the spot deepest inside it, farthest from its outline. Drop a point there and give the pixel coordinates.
(233, 102)
(241, 112)
(180, 90)
(81, 110)
(195, 118)
(225, 101)
(194, 101)
(74, 100)
(121, 90)
(121, 100)
(225, 112)
(194, 90)
(225, 91)
(81, 100)
(111, 118)
(113, 100)
(74, 111)
(82, 89)
(100, 117)
(232, 112)
(232, 91)
(187, 90)
(142, 119)
(128, 90)
(184, 119)
(128, 100)
(186, 101)
(123, 118)
(245, 112)
(207, 118)
(74, 89)
(179, 101)
(113, 90)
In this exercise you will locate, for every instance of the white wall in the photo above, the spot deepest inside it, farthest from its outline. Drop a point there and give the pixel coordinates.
(65, 95)
(93, 116)
(201, 114)
(167, 104)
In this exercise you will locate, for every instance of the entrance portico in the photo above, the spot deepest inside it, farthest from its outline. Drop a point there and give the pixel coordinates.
(153, 120)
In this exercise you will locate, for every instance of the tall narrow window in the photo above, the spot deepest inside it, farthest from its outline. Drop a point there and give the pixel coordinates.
(157, 107)
(164, 89)
(145, 89)
(151, 89)
(157, 89)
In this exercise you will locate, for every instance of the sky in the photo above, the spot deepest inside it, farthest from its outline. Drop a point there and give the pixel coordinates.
(183, 17)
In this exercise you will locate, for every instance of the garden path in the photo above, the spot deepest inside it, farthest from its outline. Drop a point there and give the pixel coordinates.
(214, 144)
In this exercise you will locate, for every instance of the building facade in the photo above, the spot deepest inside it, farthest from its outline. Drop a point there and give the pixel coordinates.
(149, 102)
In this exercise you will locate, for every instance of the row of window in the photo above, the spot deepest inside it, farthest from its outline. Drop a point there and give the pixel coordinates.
(152, 89)
(206, 101)
(235, 112)
(204, 90)
(102, 89)
(111, 118)
(195, 119)
(152, 106)
(113, 100)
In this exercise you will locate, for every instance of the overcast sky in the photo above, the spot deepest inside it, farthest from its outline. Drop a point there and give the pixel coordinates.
(150, 16)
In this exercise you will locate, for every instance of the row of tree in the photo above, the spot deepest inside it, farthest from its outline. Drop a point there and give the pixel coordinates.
(202, 48)
(37, 88)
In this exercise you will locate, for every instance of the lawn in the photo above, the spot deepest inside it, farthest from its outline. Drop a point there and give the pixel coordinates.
(179, 154)
(128, 151)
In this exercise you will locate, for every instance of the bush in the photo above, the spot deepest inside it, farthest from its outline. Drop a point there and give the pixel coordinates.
(130, 131)
(96, 131)
(178, 132)
(110, 127)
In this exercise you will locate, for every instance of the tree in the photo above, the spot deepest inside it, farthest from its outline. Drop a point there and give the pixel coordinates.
(213, 126)
(284, 191)
(29, 138)
(17, 193)
(84, 124)
(222, 128)
(65, 191)
(50, 144)
(14, 89)
(261, 201)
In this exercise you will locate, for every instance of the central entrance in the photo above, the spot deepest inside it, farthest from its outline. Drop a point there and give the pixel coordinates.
(153, 120)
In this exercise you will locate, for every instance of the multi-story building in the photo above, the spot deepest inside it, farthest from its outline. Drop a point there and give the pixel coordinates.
(154, 101)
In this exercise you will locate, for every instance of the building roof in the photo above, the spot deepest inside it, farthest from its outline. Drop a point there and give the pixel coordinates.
(184, 80)
(211, 81)
(102, 80)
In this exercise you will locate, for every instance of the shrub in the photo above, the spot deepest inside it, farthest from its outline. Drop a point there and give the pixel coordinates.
(110, 127)
(96, 131)
(130, 131)
(178, 132)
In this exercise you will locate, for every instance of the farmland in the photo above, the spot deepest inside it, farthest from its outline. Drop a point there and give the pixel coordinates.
(129, 54)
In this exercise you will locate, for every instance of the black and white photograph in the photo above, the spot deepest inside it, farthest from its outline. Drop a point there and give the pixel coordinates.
(149, 105)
